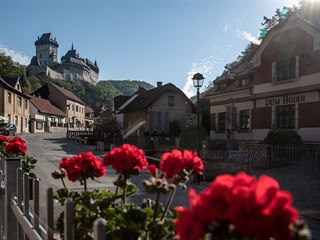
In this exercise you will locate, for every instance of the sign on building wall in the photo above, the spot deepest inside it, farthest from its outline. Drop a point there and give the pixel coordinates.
(287, 99)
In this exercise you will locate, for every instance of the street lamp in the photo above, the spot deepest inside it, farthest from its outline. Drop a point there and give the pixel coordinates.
(197, 83)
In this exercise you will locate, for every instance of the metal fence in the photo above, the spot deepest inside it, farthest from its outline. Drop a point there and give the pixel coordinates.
(304, 159)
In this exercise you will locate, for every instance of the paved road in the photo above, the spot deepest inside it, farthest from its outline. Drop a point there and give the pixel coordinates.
(50, 148)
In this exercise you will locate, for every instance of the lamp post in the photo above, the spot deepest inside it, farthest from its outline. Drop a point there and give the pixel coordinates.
(197, 83)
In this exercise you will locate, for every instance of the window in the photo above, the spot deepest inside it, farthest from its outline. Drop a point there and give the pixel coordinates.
(222, 86)
(26, 104)
(285, 116)
(9, 97)
(286, 69)
(19, 101)
(244, 120)
(72, 107)
(77, 108)
(16, 120)
(244, 82)
(170, 100)
(222, 121)
(39, 125)
(26, 122)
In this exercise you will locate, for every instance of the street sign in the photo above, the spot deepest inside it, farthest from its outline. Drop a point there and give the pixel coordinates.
(239, 154)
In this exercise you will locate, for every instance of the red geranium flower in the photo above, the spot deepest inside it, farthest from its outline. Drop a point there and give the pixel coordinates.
(17, 139)
(82, 166)
(152, 170)
(257, 208)
(174, 162)
(127, 159)
(3, 139)
(16, 148)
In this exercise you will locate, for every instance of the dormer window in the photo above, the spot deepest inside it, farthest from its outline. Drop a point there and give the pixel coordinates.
(244, 82)
(222, 86)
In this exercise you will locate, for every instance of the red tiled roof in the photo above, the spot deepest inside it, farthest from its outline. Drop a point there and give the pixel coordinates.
(44, 106)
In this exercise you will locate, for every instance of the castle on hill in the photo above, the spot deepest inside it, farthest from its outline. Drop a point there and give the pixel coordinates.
(71, 67)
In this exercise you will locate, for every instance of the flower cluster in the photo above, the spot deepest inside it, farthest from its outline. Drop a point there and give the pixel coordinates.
(82, 166)
(127, 160)
(255, 208)
(176, 162)
(13, 147)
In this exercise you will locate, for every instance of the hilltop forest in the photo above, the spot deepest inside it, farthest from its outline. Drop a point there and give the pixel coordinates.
(98, 96)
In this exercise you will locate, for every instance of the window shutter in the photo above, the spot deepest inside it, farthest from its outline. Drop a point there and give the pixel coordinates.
(274, 72)
(297, 66)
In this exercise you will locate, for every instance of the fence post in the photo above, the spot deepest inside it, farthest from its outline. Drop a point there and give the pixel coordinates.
(99, 229)
(68, 219)
(269, 156)
(50, 216)
(10, 222)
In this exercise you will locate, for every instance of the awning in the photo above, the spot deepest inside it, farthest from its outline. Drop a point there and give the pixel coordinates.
(4, 119)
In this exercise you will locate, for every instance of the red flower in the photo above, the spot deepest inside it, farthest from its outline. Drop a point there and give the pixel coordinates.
(16, 148)
(3, 139)
(256, 208)
(17, 139)
(82, 166)
(152, 170)
(188, 225)
(174, 162)
(192, 161)
(127, 159)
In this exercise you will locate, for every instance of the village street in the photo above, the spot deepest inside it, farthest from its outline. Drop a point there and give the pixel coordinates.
(50, 148)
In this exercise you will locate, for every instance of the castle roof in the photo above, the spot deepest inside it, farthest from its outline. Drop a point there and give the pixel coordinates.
(73, 57)
(47, 38)
(34, 61)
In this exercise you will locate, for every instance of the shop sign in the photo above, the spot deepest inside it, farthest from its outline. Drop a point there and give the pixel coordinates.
(238, 154)
(284, 100)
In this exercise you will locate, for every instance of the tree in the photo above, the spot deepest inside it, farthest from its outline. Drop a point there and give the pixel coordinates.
(10, 68)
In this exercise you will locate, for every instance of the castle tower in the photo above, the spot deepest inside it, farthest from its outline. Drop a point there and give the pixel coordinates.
(47, 49)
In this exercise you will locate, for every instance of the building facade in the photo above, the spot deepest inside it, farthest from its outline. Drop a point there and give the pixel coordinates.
(72, 66)
(277, 89)
(14, 104)
(151, 111)
(66, 101)
(44, 115)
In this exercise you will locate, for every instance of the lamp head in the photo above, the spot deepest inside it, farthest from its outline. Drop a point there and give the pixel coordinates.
(197, 80)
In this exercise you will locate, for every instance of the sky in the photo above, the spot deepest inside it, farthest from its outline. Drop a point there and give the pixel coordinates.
(154, 41)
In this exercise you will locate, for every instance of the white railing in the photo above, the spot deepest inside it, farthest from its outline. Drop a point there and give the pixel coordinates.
(18, 221)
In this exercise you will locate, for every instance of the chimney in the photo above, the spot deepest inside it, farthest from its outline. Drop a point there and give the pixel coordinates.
(159, 84)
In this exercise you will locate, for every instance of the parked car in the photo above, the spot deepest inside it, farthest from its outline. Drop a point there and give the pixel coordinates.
(8, 129)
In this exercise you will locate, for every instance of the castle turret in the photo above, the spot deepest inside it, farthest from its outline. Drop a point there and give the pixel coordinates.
(47, 49)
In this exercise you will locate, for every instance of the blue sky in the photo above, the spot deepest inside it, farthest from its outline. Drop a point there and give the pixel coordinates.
(148, 40)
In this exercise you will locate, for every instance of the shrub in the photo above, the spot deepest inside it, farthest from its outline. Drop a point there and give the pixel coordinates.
(283, 136)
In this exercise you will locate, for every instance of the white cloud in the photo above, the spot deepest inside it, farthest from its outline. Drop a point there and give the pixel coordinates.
(248, 36)
(203, 66)
(15, 55)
